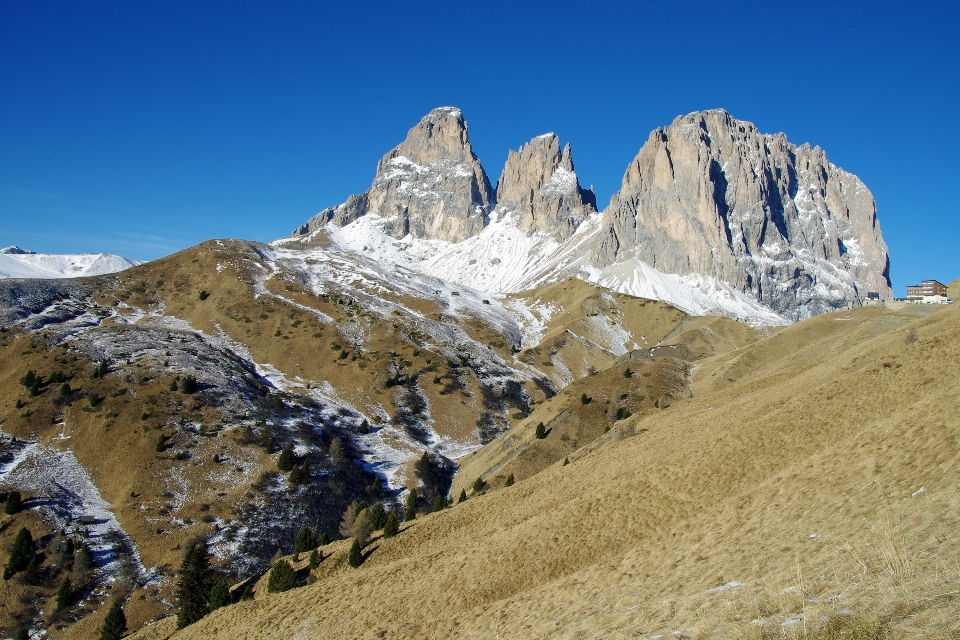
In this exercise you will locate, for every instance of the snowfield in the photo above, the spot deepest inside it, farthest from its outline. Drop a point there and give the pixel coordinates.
(17, 263)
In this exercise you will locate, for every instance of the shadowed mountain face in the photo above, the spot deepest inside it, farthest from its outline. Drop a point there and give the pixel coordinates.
(709, 203)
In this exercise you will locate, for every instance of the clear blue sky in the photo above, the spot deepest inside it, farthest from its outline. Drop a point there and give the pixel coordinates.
(141, 128)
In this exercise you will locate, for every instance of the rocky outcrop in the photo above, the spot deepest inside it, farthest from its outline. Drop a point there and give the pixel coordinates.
(711, 195)
(539, 183)
(429, 186)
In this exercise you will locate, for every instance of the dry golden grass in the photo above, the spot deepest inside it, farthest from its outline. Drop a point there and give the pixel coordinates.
(792, 478)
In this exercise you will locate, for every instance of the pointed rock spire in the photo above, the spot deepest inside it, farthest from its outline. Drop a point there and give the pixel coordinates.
(538, 182)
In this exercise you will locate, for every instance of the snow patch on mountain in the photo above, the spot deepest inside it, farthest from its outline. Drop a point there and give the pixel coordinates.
(20, 263)
(503, 259)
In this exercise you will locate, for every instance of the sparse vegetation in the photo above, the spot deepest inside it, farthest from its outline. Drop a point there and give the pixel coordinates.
(115, 624)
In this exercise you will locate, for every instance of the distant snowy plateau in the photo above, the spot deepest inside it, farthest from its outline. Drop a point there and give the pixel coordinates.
(20, 263)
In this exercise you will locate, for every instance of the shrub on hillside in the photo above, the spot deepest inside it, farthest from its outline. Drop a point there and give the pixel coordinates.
(219, 595)
(304, 541)
(541, 432)
(463, 496)
(282, 577)
(509, 482)
(392, 525)
(22, 553)
(355, 559)
(286, 459)
(411, 506)
(378, 516)
(14, 503)
(115, 624)
(193, 589)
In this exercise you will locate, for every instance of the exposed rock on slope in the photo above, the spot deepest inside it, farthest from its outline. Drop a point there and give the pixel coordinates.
(711, 195)
(429, 186)
(539, 183)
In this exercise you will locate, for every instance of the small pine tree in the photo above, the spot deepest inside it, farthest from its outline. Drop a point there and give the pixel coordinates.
(584, 399)
(324, 539)
(628, 373)
(355, 559)
(31, 575)
(28, 379)
(203, 295)
(463, 496)
(173, 384)
(193, 590)
(439, 503)
(35, 388)
(161, 443)
(315, 559)
(304, 541)
(286, 459)
(14, 503)
(392, 526)
(64, 594)
(18, 404)
(64, 389)
(115, 624)
(566, 461)
(21, 554)
(300, 474)
(247, 593)
(411, 506)
(282, 577)
(219, 595)
(378, 516)
(509, 482)
(541, 431)
(187, 385)
(364, 427)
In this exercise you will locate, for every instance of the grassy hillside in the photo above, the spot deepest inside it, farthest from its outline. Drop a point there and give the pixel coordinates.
(808, 488)
(358, 374)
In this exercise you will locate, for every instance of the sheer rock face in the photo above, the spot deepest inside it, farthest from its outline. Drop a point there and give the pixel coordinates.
(711, 195)
(429, 186)
(539, 183)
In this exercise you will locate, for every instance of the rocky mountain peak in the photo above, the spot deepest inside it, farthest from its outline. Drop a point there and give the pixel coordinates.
(538, 182)
(431, 185)
(711, 195)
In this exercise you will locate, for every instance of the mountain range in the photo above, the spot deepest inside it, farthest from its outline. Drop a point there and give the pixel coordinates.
(712, 216)
(22, 263)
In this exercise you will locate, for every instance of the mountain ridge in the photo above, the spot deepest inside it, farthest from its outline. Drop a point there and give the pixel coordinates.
(774, 223)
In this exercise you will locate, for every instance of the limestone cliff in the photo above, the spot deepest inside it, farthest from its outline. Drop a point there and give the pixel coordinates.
(539, 183)
(429, 186)
(711, 195)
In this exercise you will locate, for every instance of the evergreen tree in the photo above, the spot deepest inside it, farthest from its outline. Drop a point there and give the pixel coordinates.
(411, 506)
(194, 587)
(219, 595)
(28, 379)
(22, 553)
(300, 474)
(356, 559)
(64, 594)
(463, 496)
(35, 389)
(18, 404)
(64, 389)
(304, 541)
(566, 461)
(439, 503)
(378, 516)
(479, 485)
(247, 593)
(282, 577)
(628, 373)
(392, 526)
(509, 482)
(115, 624)
(315, 559)
(541, 431)
(324, 539)
(584, 399)
(14, 503)
(285, 461)
(187, 385)
(31, 575)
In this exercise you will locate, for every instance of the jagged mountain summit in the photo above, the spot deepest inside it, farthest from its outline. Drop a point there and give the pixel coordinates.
(16, 262)
(712, 216)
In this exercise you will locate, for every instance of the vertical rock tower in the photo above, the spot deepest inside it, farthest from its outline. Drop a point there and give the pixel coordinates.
(431, 185)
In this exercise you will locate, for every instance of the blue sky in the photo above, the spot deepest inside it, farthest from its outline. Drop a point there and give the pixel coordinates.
(141, 128)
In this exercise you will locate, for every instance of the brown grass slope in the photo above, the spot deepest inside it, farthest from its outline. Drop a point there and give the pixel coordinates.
(811, 493)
